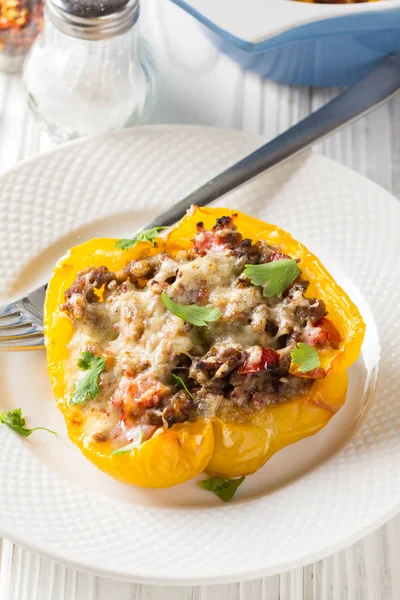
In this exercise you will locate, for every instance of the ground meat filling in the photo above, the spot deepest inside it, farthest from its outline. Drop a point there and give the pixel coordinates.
(240, 360)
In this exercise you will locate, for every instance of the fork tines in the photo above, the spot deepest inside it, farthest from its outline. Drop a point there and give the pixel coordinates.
(18, 332)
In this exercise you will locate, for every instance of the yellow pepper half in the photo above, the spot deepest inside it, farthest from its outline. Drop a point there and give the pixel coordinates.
(231, 444)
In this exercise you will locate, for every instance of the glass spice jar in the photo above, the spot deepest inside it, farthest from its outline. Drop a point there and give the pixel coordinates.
(20, 23)
(90, 71)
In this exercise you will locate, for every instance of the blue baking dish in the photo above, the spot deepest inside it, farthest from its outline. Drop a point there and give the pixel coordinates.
(301, 43)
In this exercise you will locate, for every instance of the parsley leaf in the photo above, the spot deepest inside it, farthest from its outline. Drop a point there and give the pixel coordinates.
(182, 384)
(148, 235)
(278, 275)
(32, 100)
(16, 421)
(135, 443)
(196, 315)
(306, 356)
(88, 386)
(224, 488)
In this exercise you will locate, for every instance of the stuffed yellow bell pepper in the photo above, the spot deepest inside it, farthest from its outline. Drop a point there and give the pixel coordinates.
(208, 349)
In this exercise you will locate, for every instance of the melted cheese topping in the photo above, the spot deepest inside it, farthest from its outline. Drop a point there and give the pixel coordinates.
(144, 340)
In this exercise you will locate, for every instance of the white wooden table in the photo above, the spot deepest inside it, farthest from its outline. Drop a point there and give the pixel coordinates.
(207, 88)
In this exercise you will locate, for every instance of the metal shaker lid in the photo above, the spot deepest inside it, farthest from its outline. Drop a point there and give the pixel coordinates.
(93, 19)
(91, 9)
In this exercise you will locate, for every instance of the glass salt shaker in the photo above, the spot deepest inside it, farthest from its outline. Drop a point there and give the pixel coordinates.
(90, 71)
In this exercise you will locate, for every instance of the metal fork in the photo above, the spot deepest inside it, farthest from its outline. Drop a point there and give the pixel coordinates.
(21, 322)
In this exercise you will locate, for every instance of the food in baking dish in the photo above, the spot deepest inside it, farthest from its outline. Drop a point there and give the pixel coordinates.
(207, 350)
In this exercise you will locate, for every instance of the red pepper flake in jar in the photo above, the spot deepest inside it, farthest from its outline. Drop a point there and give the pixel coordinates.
(20, 22)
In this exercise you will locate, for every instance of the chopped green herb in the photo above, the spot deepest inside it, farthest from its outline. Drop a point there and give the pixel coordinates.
(224, 488)
(16, 421)
(278, 275)
(191, 313)
(306, 356)
(135, 443)
(88, 385)
(182, 384)
(148, 235)
(32, 100)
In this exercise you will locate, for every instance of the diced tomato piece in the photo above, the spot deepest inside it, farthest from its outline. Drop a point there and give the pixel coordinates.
(126, 390)
(205, 241)
(269, 358)
(277, 256)
(322, 334)
(135, 392)
(330, 330)
(325, 334)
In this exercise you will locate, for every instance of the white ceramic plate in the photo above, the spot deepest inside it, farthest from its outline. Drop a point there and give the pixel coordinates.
(309, 500)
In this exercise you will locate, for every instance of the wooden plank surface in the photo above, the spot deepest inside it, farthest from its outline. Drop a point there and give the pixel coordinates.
(369, 569)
